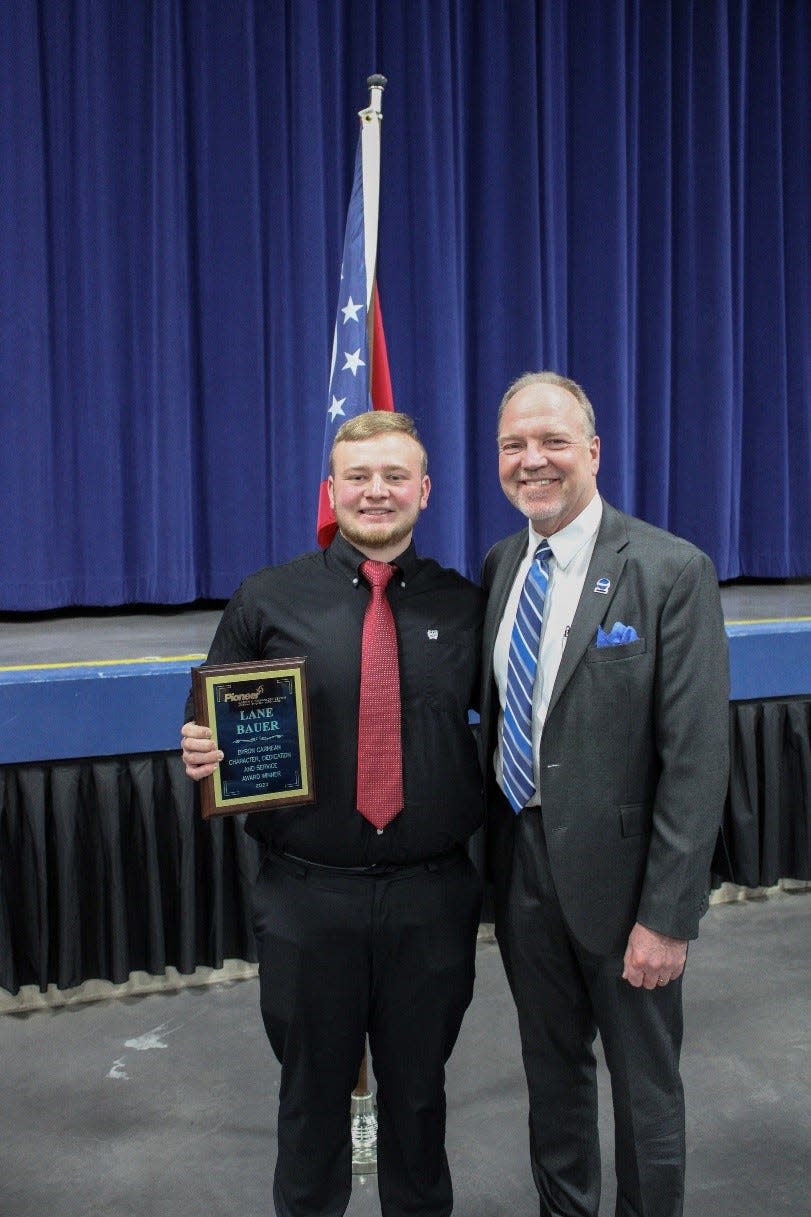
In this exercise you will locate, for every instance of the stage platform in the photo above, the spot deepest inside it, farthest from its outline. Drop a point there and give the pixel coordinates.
(110, 683)
(107, 869)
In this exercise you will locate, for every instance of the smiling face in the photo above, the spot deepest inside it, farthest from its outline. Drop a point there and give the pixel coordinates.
(377, 490)
(547, 462)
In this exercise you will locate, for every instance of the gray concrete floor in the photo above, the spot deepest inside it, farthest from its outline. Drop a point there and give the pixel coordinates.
(166, 1104)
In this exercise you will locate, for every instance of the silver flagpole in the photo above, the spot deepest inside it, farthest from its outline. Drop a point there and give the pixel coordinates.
(364, 1125)
(363, 1106)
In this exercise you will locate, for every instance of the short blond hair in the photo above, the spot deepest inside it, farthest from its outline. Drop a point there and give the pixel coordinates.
(373, 423)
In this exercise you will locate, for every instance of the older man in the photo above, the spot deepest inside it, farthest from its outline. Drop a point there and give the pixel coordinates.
(605, 728)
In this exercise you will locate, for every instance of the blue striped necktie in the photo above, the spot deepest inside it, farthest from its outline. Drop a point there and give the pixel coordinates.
(517, 778)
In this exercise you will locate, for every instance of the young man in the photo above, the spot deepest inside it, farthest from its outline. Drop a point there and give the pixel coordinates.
(366, 925)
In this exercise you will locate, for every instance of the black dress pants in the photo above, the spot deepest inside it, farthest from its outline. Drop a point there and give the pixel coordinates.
(342, 955)
(564, 995)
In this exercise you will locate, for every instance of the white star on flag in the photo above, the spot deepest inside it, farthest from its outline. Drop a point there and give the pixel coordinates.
(353, 362)
(350, 310)
(336, 407)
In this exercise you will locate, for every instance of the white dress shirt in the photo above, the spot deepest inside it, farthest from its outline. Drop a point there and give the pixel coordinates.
(572, 548)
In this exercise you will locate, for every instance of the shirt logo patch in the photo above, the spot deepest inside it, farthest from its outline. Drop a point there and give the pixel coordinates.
(433, 635)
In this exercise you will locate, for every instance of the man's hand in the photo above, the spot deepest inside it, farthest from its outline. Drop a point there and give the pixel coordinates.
(200, 755)
(653, 959)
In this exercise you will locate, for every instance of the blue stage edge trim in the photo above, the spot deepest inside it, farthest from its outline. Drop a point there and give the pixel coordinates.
(61, 711)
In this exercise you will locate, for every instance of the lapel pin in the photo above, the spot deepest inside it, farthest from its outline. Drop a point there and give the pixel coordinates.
(602, 586)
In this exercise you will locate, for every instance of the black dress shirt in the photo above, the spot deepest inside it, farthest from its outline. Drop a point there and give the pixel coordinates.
(314, 607)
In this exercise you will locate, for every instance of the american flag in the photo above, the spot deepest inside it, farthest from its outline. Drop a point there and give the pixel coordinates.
(359, 375)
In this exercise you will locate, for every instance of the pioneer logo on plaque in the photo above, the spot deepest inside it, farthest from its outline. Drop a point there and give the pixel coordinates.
(259, 717)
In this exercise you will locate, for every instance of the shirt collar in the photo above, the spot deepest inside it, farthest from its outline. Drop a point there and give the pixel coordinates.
(341, 556)
(568, 542)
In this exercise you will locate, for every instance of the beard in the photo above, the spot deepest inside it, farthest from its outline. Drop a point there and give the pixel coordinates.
(376, 536)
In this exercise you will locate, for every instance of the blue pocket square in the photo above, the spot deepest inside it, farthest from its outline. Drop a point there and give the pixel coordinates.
(619, 634)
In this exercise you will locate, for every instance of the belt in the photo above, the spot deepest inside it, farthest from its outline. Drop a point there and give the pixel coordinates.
(375, 868)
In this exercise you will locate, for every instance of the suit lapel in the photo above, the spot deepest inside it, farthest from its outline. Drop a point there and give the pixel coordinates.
(502, 583)
(607, 562)
(498, 594)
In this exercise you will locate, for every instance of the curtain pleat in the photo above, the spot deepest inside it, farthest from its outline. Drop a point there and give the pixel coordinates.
(767, 825)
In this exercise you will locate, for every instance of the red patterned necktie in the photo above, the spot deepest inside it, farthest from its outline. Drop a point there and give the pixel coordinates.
(380, 758)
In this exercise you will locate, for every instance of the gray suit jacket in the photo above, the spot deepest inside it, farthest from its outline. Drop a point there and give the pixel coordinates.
(634, 752)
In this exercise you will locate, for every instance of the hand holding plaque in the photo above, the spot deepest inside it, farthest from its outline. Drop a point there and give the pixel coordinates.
(258, 715)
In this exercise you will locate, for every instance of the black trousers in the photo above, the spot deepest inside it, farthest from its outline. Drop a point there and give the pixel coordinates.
(564, 995)
(342, 955)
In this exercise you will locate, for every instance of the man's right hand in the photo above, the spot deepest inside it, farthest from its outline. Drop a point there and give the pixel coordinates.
(200, 754)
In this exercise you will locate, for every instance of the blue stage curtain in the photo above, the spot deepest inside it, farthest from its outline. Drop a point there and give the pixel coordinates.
(620, 191)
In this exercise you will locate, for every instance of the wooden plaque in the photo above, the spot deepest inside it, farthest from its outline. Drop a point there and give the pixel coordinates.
(259, 717)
